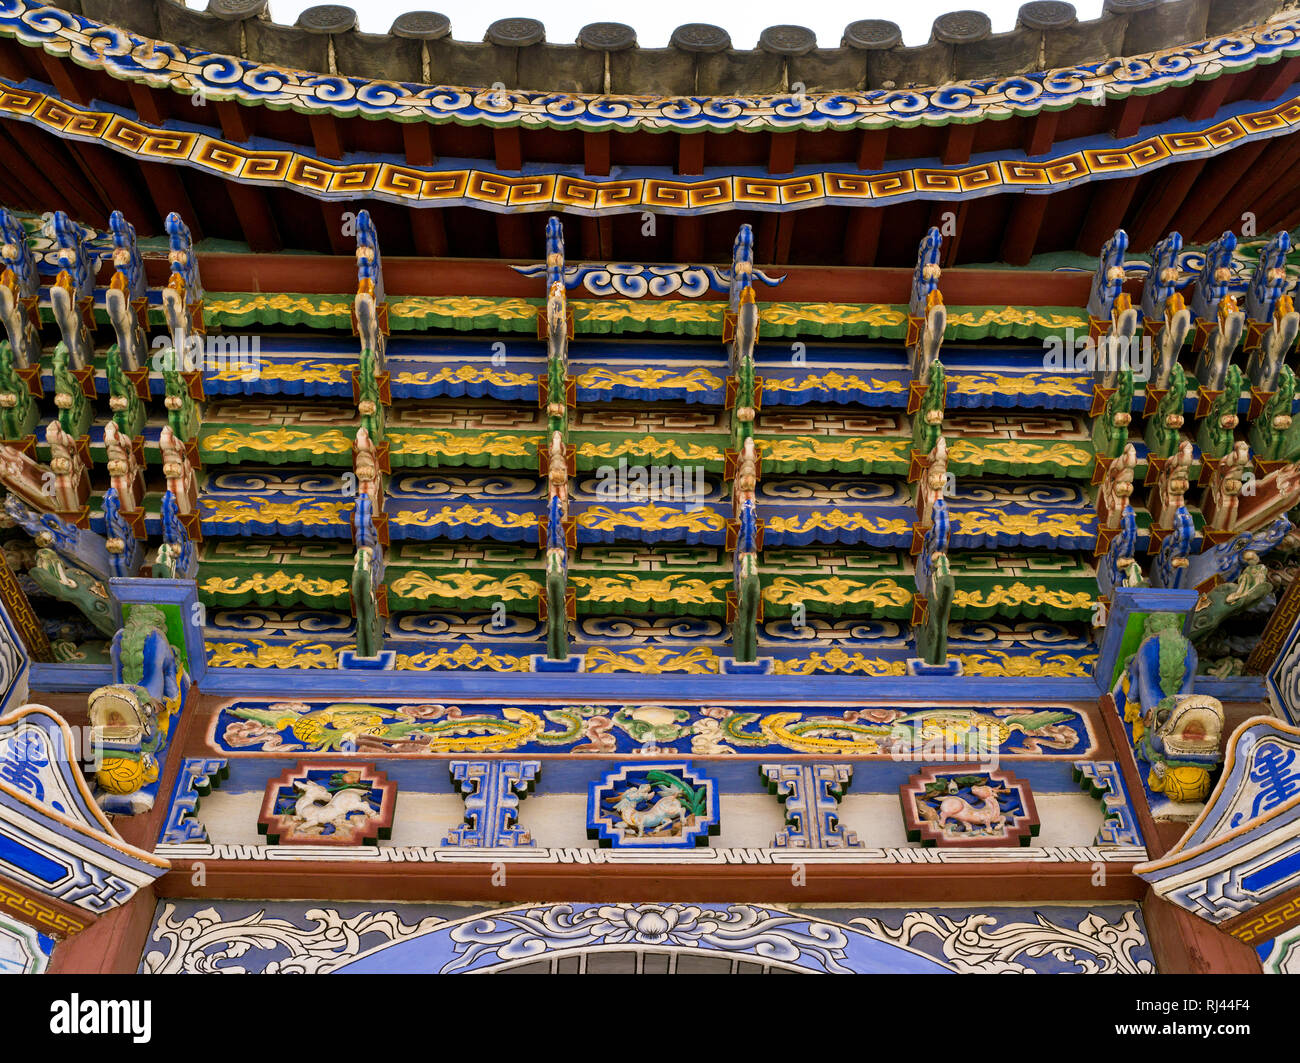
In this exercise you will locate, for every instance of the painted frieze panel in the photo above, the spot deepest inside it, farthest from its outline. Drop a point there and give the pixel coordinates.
(492, 790)
(811, 794)
(387, 727)
(328, 804)
(969, 806)
(653, 805)
(1105, 781)
(198, 777)
(236, 937)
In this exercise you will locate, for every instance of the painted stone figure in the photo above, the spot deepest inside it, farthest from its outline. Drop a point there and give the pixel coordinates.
(124, 470)
(1163, 428)
(1174, 731)
(178, 470)
(1215, 434)
(1270, 435)
(927, 422)
(71, 478)
(1110, 430)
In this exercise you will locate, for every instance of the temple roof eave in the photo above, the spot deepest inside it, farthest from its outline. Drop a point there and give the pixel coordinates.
(794, 99)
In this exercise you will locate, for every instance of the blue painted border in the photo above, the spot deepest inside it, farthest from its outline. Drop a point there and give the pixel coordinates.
(307, 682)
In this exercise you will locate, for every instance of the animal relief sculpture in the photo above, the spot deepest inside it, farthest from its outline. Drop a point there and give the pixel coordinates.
(966, 807)
(338, 804)
(656, 805)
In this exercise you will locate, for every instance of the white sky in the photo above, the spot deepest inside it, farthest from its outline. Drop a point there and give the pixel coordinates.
(653, 24)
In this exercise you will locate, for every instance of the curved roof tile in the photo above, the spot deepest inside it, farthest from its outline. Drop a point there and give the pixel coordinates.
(233, 51)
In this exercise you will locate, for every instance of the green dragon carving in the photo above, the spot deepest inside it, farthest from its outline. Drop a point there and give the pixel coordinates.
(182, 411)
(124, 400)
(1228, 599)
(1272, 436)
(141, 623)
(18, 413)
(557, 620)
(370, 625)
(1163, 428)
(72, 584)
(75, 412)
(370, 405)
(744, 628)
(1215, 434)
(932, 636)
(1110, 430)
(927, 423)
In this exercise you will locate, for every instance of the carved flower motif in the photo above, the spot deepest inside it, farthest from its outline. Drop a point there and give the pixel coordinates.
(652, 923)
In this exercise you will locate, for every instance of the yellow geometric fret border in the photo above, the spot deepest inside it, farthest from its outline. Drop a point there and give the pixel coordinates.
(286, 167)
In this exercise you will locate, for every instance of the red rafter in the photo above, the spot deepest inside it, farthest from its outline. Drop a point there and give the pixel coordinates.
(1110, 202)
(508, 149)
(1161, 207)
(781, 151)
(256, 219)
(1021, 233)
(862, 235)
(595, 154)
(690, 154)
(1277, 161)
